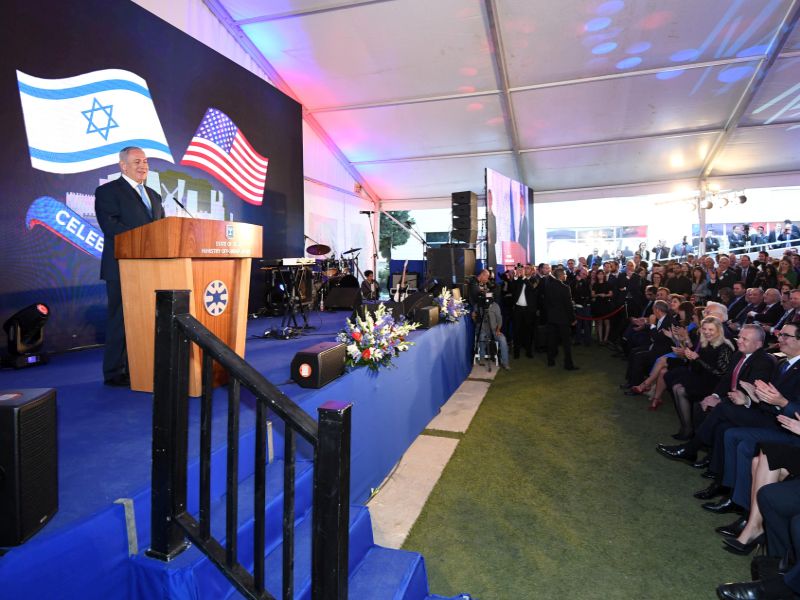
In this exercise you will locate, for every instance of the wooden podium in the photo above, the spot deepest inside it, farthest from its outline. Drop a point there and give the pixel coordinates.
(210, 258)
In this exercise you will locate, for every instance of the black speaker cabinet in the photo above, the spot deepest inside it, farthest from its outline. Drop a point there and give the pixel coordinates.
(318, 365)
(427, 316)
(465, 222)
(343, 297)
(412, 279)
(451, 264)
(415, 301)
(468, 236)
(28, 463)
(464, 198)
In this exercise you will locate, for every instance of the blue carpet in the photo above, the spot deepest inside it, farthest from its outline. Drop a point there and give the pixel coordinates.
(105, 446)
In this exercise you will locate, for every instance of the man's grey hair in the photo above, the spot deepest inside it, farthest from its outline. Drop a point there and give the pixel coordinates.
(123, 154)
(759, 331)
(718, 309)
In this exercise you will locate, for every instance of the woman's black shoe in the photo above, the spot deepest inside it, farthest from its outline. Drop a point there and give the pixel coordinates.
(734, 546)
(732, 530)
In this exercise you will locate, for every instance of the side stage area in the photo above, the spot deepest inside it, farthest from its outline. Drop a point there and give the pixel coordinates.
(91, 550)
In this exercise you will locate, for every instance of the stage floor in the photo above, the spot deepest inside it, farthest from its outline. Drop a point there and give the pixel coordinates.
(104, 433)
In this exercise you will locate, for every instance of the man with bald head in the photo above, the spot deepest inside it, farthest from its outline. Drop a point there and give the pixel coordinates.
(121, 205)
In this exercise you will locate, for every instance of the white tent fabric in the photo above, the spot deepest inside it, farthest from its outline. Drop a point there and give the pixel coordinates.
(574, 97)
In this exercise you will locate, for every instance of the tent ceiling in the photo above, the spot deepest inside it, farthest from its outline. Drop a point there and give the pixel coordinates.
(420, 95)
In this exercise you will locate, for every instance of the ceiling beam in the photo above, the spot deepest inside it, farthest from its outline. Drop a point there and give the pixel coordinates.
(498, 54)
(291, 14)
(782, 35)
(222, 15)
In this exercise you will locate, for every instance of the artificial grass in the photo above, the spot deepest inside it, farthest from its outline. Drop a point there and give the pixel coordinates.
(556, 491)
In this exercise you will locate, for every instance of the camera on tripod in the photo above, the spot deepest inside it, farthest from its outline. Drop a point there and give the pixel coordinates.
(484, 299)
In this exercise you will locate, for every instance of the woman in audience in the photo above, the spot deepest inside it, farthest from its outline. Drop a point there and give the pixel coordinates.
(768, 278)
(774, 462)
(657, 279)
(786, 273)
(684, 334)
(700, 290)
(643, 251)
(601, 306)
(706, 365)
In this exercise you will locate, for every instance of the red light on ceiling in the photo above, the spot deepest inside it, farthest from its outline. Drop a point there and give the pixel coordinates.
(42, 309)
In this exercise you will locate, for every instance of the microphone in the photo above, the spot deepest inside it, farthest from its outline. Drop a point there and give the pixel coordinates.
(366, 212)
(409, 223)
(178, 202)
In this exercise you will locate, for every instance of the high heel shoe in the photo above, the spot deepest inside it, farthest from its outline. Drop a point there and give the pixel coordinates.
(655, 403)
(641, 388)
(734, 546)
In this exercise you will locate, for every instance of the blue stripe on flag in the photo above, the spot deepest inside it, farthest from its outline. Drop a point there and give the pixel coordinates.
(71, 157)
(84, 90)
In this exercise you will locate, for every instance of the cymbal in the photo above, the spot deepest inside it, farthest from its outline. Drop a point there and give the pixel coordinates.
(318, 249)
(351, 251)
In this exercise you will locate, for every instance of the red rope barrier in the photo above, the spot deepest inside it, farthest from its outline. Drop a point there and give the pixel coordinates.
(603, 318)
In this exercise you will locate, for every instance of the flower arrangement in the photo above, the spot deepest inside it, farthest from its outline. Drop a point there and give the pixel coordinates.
(451, 309)
(373, 341)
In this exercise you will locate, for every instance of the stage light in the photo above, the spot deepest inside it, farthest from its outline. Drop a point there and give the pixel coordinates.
(706, 204)
(25, 331)
(741, 199)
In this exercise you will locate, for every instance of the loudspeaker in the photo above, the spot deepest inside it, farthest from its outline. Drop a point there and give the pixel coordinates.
(464, 198)
(465, 222)
(465, 210)
(427, 316)
(318, 365)
(28, 463)
(342, 297)
(468, 236)
(451, 264)
(415, 301)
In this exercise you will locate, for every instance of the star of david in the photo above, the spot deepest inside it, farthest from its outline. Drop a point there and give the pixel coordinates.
(97, 111)
(216, 296)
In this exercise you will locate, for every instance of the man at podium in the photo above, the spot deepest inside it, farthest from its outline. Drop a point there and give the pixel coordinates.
(120, 205)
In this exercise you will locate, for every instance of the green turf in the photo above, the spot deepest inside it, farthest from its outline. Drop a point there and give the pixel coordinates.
(556, 491)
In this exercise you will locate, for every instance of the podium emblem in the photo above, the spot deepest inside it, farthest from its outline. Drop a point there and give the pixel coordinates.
(229, 232)
(215, 298)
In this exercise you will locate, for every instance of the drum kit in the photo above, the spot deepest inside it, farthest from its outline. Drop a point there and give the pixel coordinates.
(294, 285)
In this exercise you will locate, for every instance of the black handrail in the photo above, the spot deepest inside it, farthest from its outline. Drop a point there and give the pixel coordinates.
(171, 524)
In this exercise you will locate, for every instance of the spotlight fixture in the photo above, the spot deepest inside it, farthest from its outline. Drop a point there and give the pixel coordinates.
(706, 204)
(25, 331)
(741, 199)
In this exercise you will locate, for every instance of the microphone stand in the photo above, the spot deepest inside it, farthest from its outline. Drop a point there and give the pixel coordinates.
(374, 244)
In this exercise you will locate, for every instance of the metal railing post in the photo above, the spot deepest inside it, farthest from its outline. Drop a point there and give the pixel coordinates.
(170, 426)
(331, 517)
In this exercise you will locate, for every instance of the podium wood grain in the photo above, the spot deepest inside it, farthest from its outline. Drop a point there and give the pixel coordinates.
(184, 254)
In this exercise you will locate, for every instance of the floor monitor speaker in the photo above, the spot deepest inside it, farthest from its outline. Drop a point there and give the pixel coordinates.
(343, 297)
(28, 463)
(318, 365)
(426, 316)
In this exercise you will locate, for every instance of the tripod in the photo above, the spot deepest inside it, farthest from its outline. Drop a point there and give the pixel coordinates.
(489, 344)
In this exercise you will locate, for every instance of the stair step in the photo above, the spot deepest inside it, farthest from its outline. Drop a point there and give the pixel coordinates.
(387, 574)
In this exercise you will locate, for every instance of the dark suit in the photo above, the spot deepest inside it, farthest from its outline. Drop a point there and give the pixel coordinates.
(681, 250)
(660, 253)
(119, 208)
(524, 317)
(642, 358)
(749, 277)
(712, 244)
(768, 315)
(735, 308)
(560, 316)
(735, 240)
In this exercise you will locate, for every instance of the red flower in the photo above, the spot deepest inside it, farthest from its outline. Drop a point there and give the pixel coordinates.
(356, 335)
(366, 354)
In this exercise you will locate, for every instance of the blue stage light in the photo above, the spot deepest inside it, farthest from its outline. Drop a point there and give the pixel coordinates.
(597, 24)
(735, 74)
(610, 7)
(665, 75)
(752, 51)
(685, 55)
(639, 47)
(604, 48)
(627, 63)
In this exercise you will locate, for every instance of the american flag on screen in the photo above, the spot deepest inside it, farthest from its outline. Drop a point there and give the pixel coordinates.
(220, 149)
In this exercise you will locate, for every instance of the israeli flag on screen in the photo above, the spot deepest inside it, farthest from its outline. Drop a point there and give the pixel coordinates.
(81, 123)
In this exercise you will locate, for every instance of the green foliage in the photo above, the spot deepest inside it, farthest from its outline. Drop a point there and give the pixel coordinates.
(392, 235)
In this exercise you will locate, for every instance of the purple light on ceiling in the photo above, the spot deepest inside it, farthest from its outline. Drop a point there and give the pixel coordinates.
(685, 55)
(735, 74)
(666, 75)
(752, 51)
(611, 7)
(627, 63)
(639, 47)
(604, 48)
(597, 24)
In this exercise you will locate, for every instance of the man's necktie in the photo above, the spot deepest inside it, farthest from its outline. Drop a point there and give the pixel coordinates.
(145, 199)
(735, 375)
